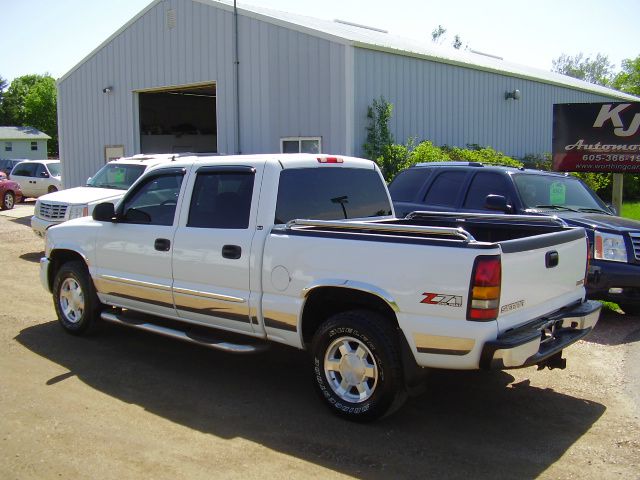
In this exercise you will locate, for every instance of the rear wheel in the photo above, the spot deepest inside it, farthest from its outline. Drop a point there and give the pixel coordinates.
(52, 189)
(75, 299)
(357, 365)
(8, 201)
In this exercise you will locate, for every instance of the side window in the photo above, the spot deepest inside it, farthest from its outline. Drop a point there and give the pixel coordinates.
(445, 189)
(25, 170)
(154, 200)
(41, 171)
(221, 200)
(484, 184)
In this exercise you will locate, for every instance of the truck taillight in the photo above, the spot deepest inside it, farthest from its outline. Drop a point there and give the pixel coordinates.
(484, 294)
(330, 160)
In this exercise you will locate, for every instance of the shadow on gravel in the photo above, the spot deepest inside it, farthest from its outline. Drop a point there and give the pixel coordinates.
(32, 256)
(467, 425)
(615, 328)
(26, 221)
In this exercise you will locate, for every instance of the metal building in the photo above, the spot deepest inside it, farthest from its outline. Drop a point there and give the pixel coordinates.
(195, 75)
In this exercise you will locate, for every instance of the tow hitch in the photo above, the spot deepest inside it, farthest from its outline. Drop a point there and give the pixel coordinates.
(554, 361)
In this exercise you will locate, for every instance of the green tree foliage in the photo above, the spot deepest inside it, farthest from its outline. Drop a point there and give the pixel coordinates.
(379, 135)
(30, 101)
(485, 155)
(628, 80)
(597, 70)
(427, 152)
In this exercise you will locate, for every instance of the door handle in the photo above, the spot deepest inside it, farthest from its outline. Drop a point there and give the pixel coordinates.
(233, 252)
(162, 244)
(552, 259)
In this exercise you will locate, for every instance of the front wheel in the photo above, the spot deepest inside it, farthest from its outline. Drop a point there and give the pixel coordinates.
(75, 299)
(8, 201)
(357, 366)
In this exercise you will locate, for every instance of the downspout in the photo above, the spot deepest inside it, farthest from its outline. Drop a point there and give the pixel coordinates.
(237, 67)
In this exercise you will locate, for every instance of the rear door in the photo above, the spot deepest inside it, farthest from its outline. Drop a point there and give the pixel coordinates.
(212, 256)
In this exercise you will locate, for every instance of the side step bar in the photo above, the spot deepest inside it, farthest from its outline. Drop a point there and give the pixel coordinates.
(185, 336)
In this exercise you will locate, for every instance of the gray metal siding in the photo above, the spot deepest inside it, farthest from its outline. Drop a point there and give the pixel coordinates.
(451, 105)
(291, 84)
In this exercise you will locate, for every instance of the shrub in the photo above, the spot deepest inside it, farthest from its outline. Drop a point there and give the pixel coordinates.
(486, 155)
(427, 152)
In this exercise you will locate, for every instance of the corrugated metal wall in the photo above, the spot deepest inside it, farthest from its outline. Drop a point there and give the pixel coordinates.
(455, 106)
(291, 84)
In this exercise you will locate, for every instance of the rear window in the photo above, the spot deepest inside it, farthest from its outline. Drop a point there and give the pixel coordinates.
(330, 194)
(407, 184)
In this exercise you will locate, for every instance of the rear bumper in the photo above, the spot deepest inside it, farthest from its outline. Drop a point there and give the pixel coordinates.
(535, 342)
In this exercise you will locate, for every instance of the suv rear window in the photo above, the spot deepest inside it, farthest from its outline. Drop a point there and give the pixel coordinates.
(330, 194)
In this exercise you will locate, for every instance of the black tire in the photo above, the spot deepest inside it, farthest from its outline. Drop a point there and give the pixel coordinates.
(8, 200)
(630, 308)
(52, 188)
(75, 299)
(371, 371)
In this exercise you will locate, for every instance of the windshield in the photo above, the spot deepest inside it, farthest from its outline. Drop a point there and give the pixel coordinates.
(118, 176)
(54, 169)
(556, 193)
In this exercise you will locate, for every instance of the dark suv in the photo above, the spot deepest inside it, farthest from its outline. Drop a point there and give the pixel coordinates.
(614, 270)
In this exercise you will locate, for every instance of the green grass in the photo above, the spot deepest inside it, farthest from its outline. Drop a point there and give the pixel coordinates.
(631, 210)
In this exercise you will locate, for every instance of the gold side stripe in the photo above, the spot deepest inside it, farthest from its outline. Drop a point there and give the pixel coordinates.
(136, 283)
(213, 296)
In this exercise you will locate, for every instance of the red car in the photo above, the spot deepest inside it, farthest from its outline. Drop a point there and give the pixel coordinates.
(10, 192)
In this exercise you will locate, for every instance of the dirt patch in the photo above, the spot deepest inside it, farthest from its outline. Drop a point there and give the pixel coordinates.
(126, 404)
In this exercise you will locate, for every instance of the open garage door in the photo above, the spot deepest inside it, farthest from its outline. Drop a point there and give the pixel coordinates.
(179, 120)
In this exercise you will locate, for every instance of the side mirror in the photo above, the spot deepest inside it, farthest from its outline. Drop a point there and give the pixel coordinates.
(104, 212)
(497, 202)
(44, 174)
(612, 209)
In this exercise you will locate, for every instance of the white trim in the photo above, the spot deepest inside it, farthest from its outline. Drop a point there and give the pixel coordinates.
(299, 140)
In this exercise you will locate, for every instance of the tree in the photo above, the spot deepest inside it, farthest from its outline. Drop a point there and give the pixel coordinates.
(378, 134)
(30, 101)
(597, 70)
(628, 80)
(438, 35)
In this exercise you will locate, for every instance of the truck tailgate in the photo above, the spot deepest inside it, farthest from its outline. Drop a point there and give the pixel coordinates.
(540, 275)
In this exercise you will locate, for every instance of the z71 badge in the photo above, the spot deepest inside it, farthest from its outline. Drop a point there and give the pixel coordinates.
(442, 299)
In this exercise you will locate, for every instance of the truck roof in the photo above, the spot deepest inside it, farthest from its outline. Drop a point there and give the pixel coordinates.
(500, 168)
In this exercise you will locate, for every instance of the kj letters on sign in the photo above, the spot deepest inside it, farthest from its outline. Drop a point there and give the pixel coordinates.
(596, 137)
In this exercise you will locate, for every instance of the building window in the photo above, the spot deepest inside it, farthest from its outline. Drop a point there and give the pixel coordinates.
(301, 145)
(34, 146)
(8, 146)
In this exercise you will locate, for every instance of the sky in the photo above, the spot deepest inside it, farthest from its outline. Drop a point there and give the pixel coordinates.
(52, 36)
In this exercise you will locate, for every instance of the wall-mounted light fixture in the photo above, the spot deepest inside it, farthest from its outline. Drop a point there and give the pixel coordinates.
(515, 95)
(107, 90)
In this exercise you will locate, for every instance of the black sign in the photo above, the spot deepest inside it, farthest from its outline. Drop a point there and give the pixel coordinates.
(596, 137)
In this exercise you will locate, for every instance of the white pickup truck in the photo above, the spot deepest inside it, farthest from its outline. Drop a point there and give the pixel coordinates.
(236, 252)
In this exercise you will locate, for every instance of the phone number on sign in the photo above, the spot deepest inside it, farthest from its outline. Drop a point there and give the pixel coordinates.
(607, 157)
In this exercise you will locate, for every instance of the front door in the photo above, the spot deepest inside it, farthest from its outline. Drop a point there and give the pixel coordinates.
(133, 255)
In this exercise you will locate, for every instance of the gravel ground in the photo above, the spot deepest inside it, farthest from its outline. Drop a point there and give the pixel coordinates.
(132, 405)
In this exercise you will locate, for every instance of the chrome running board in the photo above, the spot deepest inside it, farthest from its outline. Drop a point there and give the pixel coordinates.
(203, 340)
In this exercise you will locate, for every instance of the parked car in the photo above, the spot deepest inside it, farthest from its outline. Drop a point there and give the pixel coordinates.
(614, 269)
(108, 184)
(10, 192)
(37, 177)
(7, 164)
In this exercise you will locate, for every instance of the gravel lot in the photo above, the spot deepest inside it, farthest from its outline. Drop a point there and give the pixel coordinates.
(126, 404)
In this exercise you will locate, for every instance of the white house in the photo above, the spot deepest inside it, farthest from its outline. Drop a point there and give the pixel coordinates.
(23, 142)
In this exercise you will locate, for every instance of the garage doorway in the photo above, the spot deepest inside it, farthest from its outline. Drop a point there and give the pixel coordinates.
(181, 119)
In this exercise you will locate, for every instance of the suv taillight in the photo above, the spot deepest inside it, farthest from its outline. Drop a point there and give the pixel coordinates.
(484, 294)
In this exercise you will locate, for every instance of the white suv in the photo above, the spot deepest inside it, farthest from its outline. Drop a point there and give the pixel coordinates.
(37, 177)
(109, 184)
